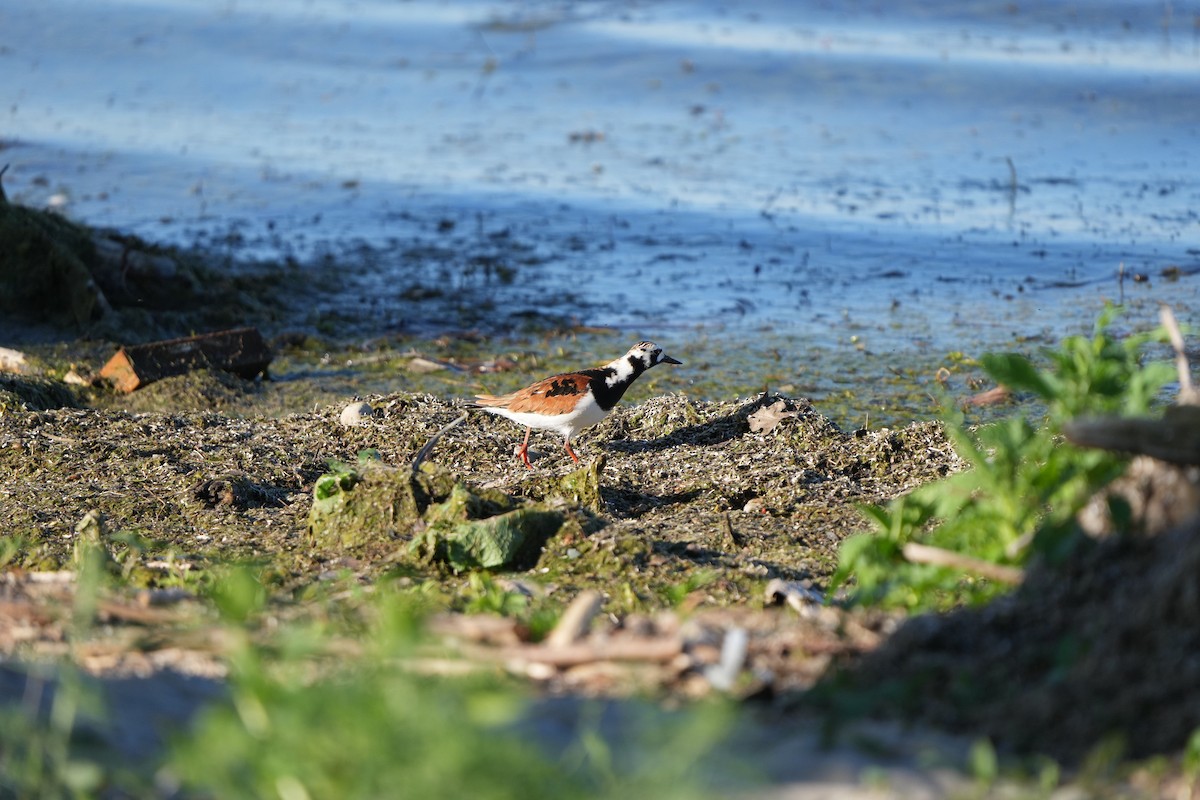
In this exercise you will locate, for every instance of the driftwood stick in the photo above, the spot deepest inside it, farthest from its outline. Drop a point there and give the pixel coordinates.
(137, 614)
(938, 557)
(476, 628)
(642, 650)
(1187, 394)
(1175, 438)
(424, 452)
(575, 620)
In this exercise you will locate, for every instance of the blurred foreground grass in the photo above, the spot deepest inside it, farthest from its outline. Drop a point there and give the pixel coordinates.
(300, 719)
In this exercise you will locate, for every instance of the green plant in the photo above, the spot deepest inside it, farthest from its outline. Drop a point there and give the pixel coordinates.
(983, 764)
(487, 595)
(676, 593)
(305, 722)
(1024, 486)
(39, 756)
(1191, 759)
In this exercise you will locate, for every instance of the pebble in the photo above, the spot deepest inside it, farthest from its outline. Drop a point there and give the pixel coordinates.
(355, 413)
(754, 505)
(12, 361)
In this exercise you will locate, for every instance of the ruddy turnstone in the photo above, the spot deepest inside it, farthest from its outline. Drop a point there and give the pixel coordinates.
(572, 401)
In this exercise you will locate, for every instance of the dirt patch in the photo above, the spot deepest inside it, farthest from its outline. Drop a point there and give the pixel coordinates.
(1100, 651)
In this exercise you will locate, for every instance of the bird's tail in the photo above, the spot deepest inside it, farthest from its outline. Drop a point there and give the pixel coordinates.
(490, 401)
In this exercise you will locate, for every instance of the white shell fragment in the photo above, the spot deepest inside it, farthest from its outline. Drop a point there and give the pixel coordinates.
(355, 413)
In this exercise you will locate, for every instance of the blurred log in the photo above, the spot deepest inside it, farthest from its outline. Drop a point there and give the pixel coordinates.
(631, 649)
(1175, 438)
(241, 351)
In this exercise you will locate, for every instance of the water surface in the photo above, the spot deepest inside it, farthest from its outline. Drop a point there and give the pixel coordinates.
(942, 173)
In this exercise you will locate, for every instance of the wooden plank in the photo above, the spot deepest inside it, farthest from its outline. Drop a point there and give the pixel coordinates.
(241, 351)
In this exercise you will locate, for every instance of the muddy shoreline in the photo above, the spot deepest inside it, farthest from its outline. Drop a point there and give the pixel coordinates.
(697, 513)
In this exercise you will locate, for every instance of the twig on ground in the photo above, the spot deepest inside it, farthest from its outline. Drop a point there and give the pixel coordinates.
(424, 452)
(731, 536)
(938, 557)
(645, 650)
(575, 620)
(1187, 393)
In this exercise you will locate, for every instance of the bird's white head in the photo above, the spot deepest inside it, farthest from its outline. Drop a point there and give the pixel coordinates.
(649, 354)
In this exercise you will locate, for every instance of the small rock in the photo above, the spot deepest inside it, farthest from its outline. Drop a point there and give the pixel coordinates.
(162, 597)
(754, 505)
(12, 361)
(800, 595)
(497, 365)
(424, 365)
(529, 590)
(355, 413)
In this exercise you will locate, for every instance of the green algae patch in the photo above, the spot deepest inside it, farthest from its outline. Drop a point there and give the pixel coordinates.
(369, 506)
(582, 487)
(467, 504)
(484, 528)
(512, 540)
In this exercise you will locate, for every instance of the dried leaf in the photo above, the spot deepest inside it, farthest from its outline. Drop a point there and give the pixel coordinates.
(765, 419)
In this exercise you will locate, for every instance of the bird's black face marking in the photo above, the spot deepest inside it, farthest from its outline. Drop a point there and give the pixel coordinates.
(644, 355)
(564, 388)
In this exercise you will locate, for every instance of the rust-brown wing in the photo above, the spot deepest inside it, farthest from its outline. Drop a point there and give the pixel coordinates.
(554, 395)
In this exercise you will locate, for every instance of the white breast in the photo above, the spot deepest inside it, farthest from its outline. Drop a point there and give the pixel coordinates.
(586, 413)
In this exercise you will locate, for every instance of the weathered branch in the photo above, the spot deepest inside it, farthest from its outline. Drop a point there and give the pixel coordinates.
(574, 622)
(938, 557)
(1187, 394)
(644, 650)
(1175, 438)
(424, 452)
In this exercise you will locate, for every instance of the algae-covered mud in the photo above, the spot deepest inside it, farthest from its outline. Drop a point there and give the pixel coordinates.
(727, 515)
(677, 487)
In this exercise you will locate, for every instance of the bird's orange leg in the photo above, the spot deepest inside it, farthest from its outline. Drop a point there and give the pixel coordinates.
(571, 452)
(524, 451)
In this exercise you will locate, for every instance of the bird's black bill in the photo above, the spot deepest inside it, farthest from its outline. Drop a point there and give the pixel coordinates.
(669, 360)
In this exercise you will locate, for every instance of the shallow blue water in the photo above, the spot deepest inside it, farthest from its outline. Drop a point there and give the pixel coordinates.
(965, 167)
